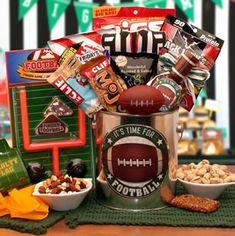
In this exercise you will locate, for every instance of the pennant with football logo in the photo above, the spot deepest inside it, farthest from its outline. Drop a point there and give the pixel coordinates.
(55, 9)
(84, 13)
(218, 3)
(24, 7)
(155, 3)
(186, 6)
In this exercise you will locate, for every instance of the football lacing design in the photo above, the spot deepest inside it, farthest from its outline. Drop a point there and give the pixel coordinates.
(141, 103)
(136, 162)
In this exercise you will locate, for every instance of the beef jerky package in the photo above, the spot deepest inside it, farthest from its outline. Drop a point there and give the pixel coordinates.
(181, 35)
(129, 18)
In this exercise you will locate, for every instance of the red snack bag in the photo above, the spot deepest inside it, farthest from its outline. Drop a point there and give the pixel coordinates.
(129, 18)
(82, 44)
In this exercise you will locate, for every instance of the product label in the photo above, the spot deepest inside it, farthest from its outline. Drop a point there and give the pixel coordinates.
(51, 125)
(38, 64)
(61, 84)
(135, 160)
(30, 66)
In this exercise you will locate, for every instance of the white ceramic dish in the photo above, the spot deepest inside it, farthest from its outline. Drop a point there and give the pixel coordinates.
(211, 191)
(64, 202)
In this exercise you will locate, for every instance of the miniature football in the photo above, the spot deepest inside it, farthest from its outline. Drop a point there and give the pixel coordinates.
(135, 162)
(170, 91)
(141, 99)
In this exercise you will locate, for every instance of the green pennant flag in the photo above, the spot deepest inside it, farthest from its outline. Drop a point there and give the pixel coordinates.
(84, 13)
(24, 7)
(155, 3)
(55, 9)
(127, 4)
(187, 6)
(203, 93)
(218, 3)
(196, 102)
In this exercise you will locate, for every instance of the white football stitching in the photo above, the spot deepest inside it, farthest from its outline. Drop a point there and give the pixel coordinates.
(141, 103)
(136, 162)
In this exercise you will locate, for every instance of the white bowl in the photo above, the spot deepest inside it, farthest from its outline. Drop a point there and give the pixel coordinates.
(63, 202)
(212, 191)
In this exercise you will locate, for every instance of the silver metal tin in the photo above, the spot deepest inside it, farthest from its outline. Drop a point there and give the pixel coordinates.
(137, 159)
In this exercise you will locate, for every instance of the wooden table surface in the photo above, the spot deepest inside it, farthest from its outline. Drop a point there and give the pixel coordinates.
(117, 230)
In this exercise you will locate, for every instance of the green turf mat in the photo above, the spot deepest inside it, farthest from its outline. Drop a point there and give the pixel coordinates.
(90, 212)
(33, 227)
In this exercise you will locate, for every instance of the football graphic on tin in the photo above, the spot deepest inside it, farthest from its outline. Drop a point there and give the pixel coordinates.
(135, 160)
(141, 99)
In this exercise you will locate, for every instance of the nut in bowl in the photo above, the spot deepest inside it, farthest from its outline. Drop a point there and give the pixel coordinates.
(205, 180)
(63, 193)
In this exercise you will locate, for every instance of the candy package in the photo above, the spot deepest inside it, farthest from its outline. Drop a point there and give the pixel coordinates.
(181, 35)
(104, 81)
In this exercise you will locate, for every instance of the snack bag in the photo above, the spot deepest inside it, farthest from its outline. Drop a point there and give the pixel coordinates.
(181, 35)
(76, 43)
(135, 58)
(131, 34)
(71, 84)
(75, 87)
(104, 81)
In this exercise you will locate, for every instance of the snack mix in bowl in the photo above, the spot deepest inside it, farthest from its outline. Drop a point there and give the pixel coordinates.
(204, 179)
(63, 193)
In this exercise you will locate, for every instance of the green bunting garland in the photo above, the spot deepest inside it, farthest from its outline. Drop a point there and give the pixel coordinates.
(155, 3)
(84, 13)
(24, 7)
(187, 6)
(203, 93)
(55, 9)
(218, 3)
